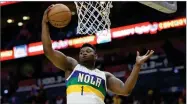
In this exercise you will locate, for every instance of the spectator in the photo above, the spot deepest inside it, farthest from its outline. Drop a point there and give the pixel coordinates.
(107, 100)
(24, 34)
(136, 101)
(22, 38)
(41, 98)
(184, 94)
(59, 100)
(14, 99)
(32, 97)
(180, 101)
(162, 101)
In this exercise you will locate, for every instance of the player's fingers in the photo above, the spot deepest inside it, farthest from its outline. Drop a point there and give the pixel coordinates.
(151, 53)
(138, 54)
(49, 8)
(147, 53)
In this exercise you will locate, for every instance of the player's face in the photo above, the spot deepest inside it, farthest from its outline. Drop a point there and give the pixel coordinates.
(87, 54)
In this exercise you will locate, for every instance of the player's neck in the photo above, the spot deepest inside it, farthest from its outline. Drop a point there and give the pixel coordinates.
(89, 65)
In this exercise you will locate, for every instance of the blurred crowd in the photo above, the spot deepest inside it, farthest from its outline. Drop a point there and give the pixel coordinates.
(151, 97)
(29, 33)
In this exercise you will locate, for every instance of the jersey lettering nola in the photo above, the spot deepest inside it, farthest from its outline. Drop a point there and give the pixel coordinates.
(89, 79)
(86, 84)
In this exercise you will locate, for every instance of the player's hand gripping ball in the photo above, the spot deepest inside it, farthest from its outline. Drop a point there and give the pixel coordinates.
(59, 15)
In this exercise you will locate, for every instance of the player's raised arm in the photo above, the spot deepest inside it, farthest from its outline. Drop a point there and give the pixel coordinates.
(56, 57)
(117, 86)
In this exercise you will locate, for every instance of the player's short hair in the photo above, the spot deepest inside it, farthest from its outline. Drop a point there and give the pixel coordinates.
(88, 45)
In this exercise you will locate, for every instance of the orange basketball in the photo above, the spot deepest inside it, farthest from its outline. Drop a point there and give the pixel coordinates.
(59, 15)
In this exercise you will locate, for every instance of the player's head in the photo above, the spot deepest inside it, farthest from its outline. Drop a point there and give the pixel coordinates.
(87, 53)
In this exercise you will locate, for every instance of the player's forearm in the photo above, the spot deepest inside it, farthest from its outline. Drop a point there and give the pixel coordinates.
(131, 80)
(46, 40)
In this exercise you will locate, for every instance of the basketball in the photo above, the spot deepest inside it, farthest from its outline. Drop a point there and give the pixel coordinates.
(59, 15)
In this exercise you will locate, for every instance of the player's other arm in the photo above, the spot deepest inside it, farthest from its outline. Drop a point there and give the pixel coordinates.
(117, 86)
(59, 59)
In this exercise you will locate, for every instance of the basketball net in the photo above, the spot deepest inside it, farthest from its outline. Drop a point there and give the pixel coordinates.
(93, 16)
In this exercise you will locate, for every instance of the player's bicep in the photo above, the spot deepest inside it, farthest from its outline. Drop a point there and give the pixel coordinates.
(115, 85)
(59, 59)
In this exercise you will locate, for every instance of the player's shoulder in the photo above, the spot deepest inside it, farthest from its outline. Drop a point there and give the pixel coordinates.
(107, 74)
(98, 70)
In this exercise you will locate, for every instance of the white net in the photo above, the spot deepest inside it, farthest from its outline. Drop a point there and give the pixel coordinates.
(93, 16)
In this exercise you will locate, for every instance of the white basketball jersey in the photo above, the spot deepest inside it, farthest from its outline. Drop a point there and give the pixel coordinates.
(86, 86)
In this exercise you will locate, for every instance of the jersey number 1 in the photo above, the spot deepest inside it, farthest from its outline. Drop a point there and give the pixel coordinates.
(82, 89)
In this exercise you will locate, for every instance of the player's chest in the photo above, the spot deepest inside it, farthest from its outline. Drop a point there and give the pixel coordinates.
(95, 79)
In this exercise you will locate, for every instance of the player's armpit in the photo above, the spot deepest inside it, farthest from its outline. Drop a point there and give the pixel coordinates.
(115, 85)
(61, 61)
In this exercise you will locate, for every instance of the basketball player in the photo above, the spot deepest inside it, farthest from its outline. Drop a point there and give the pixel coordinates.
(86, 84)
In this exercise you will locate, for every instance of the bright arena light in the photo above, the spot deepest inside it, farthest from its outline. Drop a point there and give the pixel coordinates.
(10, 21)
(5, 91)
(73, 13)
(20, 24)
(176, 70)
(26, 17)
